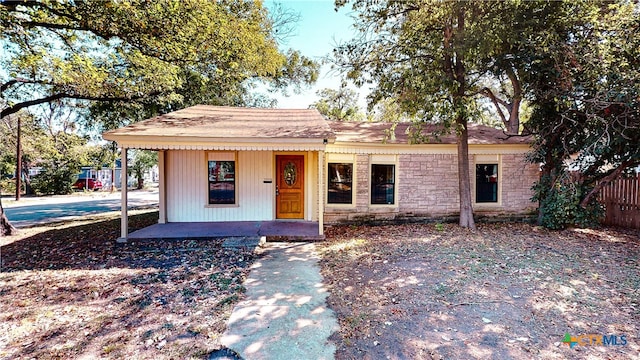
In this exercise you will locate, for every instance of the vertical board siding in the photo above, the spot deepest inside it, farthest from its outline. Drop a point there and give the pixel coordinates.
(621, 199)
(187, 188)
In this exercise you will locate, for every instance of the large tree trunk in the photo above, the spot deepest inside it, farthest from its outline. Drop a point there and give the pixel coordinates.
(464, 178)
(5, 226)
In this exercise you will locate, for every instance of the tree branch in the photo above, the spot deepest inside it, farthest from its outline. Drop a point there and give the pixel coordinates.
(496, 102)
(514, 109)
(7, 85)
(606, 180)
(17, 107)
(12, 82)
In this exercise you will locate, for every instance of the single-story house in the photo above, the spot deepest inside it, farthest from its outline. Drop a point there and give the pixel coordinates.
(220, 164)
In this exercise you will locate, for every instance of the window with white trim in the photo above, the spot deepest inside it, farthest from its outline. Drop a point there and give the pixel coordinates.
(383, 184)
(340, 183)
(486, 183)
(221, 178)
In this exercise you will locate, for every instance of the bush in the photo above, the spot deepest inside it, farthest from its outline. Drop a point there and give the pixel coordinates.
(560, 204)
(7, 187)
(54, 180)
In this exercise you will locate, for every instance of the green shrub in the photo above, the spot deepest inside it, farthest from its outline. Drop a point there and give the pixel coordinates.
(560, 204)
(54, 180)
(7, 186)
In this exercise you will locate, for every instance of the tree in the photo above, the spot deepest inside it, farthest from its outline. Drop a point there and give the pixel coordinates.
(340, 105)
(425, 55)
(584, 87)
(143, 160)
(130, 50)
(574, 63)
(120, 51)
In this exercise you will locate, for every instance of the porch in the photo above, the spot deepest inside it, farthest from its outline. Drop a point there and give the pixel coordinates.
(270, 230)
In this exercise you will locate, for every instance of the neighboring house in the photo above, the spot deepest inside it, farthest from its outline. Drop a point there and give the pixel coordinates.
(247, 164)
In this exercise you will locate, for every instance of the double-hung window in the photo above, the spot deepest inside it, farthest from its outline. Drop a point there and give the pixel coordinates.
(383, 185)
(486, 183)
(222, 178)
(340, 183)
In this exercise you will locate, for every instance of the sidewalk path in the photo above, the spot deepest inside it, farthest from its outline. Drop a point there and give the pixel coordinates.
(284, 315)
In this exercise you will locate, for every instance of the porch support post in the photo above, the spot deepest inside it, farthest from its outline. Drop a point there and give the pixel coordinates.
(124, 215)
(320, 192)
(162, 198)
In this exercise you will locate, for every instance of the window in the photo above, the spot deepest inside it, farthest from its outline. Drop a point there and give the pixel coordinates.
(340, 183)
(222, 182)
(383, 184)
(486, 183)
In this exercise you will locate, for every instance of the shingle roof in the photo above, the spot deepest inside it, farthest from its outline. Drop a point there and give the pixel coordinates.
(369, 132)
(224, 122)
(206, 123)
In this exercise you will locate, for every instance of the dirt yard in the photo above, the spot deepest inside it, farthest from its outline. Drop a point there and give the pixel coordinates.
(503, 292)
(68, 291)
(400, 292)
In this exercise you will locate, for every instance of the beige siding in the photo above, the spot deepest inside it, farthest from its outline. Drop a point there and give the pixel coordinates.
(187, 188)
(311, 179)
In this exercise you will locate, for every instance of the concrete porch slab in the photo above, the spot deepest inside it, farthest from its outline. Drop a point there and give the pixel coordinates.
(270, 230)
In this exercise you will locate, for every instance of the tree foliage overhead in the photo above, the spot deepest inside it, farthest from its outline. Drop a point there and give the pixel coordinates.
(340, 104)
(140, 58)
(123, 50)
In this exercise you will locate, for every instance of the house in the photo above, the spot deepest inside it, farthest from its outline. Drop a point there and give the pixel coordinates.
(219, 164)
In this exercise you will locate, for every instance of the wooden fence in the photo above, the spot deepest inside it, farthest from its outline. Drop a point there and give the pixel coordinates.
(621, 199)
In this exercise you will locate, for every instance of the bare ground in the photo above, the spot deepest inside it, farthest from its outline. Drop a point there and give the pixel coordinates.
(69, 291)
(507, 291)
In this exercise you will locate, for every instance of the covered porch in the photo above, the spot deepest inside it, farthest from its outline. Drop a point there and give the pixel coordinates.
(233, 172)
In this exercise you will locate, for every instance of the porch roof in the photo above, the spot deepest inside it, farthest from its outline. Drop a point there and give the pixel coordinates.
(228, 128)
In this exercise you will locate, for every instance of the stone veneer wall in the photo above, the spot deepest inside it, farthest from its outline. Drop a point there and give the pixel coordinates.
(518, 175)
(428, 189)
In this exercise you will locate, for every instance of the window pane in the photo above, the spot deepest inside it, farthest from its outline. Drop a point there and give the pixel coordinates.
(486, 183)
(339, 183)
(382, 184)
(222, 182)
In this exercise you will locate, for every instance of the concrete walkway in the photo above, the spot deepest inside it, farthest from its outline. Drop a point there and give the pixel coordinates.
(284, 315)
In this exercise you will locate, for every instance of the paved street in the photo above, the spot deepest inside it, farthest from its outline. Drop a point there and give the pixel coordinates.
(30, 211)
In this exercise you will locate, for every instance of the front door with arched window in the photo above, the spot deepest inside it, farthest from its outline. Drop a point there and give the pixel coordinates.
(290, 186)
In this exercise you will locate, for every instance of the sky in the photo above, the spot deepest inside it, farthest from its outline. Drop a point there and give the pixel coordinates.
(320, 28)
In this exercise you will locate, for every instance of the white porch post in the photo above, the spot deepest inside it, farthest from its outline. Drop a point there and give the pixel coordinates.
(320, 192)
(162, 198)
(124, 216)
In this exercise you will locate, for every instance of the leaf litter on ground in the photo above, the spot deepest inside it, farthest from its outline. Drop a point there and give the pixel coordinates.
(70, 291)
(504, 291)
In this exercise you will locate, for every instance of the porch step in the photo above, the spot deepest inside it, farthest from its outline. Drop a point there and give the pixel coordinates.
(243, 242)
(295, 238)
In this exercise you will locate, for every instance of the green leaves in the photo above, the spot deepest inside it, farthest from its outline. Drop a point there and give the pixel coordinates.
(97, 50)
(340, 105)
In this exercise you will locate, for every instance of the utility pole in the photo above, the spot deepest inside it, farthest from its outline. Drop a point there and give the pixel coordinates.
(18, 163)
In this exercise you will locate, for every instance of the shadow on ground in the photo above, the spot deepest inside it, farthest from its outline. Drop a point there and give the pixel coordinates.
(73, 292)
(509, 291)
